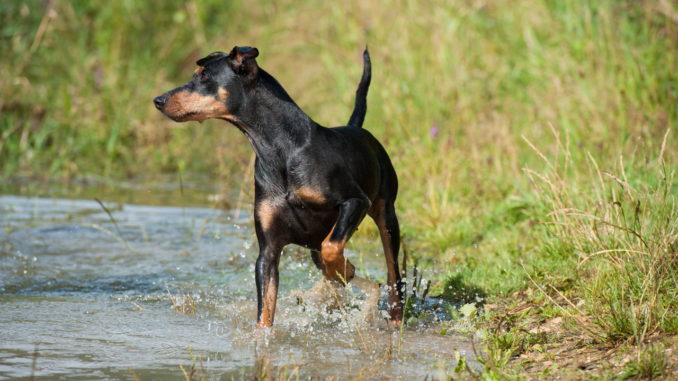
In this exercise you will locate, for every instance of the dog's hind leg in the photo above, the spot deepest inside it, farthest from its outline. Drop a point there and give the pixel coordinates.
(383, 213)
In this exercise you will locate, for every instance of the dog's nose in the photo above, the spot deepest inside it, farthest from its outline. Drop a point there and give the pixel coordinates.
(160, 102)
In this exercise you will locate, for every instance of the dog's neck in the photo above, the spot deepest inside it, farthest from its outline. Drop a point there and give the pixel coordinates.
(270, 119)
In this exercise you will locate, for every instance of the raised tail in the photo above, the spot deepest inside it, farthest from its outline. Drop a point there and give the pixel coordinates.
(360, 108)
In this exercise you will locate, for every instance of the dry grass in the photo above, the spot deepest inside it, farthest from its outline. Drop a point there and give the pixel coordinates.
(183, 303)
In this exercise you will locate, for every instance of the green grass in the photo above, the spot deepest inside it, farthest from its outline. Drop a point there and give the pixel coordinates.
(650, 364)
(535, 141)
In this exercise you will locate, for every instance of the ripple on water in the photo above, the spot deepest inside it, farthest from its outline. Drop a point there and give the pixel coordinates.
(164, 286)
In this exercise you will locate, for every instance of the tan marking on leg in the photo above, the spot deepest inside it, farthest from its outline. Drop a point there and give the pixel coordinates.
(377, 212)
(266, 212)
(185, 105)
(310, 195)
(335, 265)
(268, 310)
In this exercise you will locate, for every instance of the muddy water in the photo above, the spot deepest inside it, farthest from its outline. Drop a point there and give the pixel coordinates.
(156, 288)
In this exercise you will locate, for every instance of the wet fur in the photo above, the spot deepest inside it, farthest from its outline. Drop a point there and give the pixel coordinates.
(313, 185)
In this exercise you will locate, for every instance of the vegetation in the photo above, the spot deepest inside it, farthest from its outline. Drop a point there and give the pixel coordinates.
(535, 141)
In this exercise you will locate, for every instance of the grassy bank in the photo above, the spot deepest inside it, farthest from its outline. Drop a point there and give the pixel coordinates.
(535, 140)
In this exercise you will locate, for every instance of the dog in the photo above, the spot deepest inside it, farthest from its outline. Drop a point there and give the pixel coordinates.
(313, 185)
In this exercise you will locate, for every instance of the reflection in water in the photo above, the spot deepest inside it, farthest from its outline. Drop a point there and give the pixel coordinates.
(165, 286)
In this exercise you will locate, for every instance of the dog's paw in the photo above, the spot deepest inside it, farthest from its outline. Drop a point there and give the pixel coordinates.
(341, 271)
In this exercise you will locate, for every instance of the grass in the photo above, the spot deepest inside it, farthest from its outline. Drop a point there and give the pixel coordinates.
(183, 303)
(650, 364)
(624, 238)
(535, 141)
(264, 370)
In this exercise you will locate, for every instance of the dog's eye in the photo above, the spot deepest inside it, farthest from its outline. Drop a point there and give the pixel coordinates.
(204, 75)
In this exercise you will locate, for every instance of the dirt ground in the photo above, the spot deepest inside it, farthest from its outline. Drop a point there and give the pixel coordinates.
(566, 348)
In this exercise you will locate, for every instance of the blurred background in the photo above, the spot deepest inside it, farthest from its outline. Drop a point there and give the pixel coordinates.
(535, 140)
(464, 96)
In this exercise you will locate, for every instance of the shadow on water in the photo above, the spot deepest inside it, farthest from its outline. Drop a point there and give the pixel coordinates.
(170, 287)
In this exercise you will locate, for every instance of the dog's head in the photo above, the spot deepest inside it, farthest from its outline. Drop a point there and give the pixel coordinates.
(217, 89)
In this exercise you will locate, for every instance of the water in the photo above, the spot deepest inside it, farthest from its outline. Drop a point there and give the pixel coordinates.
(164, 287)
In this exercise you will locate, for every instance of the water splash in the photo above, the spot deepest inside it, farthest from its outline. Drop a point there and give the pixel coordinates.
(96, 308)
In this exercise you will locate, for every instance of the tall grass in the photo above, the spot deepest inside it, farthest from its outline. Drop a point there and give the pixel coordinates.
(77, 79)
(622, 231)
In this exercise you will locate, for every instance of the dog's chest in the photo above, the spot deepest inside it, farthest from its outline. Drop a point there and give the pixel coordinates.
(304, 218)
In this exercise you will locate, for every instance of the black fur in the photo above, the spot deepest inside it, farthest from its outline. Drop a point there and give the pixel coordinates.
(345, 167)
(360, 108)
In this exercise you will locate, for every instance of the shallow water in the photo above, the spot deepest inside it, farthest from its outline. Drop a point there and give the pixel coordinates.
(164, 287)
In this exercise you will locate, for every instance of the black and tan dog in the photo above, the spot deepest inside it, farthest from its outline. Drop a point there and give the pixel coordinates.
(313, 185)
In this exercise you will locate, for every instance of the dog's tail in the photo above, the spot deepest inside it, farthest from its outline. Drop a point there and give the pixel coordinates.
(360, 108)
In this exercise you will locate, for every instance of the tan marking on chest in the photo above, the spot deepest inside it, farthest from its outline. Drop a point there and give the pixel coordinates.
(310, 195)
(266, 213)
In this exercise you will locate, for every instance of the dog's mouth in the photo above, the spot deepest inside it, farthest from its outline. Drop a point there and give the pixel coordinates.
(181, 117)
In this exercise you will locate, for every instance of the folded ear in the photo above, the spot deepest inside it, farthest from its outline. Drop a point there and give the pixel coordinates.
(242, 61)
(211, 57)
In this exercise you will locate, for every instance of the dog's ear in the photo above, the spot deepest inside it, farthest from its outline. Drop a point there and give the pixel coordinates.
(211, 57)
(242, 61)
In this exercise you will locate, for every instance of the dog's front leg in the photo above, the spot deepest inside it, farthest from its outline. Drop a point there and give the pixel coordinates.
(335, 266)
(266, 274)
